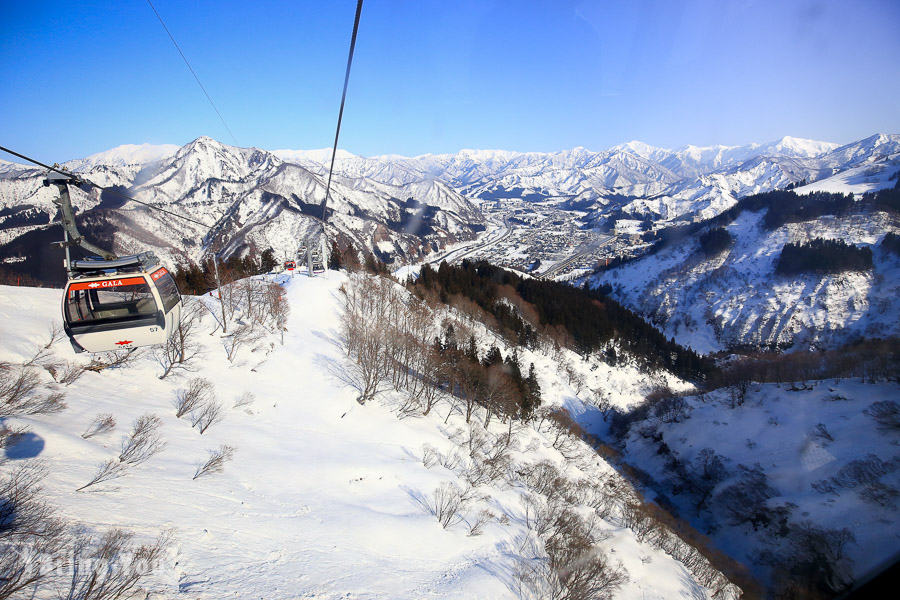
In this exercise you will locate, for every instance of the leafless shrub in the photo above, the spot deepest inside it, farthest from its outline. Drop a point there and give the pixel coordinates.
(474, 472)
(545, 478)
(814, 563)
(43, 405)
(600, 498)
(199, 392)
(245, 399)
(70, 373)
(102, 423)
(821, 432)
(447, 501)
(241, 336)
(863, 475)
(564, 432)
(32, 538)
(181, 350)
(112, 567)
(113, 359)
(216, 461)
(43, 352)
(744, 501)
(207, 415)
(482, 518)
(9, 435)
(602, 401)
(450, 460)
(886, 413)
(278, 309)
(574, 567)
(18, 392)
(111, 469)
(144, 441)
(430, 455)
(539, 513)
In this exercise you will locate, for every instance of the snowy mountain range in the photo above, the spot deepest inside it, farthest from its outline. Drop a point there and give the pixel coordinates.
(247, 199)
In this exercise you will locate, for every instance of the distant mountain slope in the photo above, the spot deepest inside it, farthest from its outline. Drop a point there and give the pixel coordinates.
(735, 298)
(249, 199)
(237, 200)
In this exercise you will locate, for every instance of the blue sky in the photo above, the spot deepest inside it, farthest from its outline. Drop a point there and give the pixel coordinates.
(438, 76)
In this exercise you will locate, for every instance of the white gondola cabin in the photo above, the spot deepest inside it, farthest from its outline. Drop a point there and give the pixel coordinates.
(120, 304)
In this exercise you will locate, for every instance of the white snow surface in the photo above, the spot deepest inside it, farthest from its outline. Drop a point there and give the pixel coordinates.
(736, 298)
(126, 154)
(324, 497)
(776, 429)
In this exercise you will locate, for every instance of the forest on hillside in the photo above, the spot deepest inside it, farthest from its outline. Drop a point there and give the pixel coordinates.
(587, 321)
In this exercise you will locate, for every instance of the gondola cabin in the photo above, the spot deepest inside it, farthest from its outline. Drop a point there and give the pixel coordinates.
(289, 265)
(316, 264)
(120, 304)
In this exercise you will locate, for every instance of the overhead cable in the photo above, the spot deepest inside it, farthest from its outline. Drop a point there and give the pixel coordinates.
(341, 112)
(177, 47)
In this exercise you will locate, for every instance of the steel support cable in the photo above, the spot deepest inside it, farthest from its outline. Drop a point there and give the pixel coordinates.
(177, 47)
(337, 133)
(79, 179)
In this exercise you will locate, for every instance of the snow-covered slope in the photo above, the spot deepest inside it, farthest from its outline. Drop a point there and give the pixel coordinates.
(323, 497)
(126, 154)
(797, 450)
(736, 299)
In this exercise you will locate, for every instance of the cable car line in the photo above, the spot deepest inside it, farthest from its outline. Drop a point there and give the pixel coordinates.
(177, 47)
(341, 111)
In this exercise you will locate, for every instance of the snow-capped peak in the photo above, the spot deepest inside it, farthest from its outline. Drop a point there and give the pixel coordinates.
(126, 154)
(792, 146)
(641, 149)
(321, 155)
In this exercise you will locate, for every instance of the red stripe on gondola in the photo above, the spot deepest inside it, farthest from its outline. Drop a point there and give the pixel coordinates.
(106, 283)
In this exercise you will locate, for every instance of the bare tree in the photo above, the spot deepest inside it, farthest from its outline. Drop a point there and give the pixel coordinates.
(32, 537)
(18, 392)
(240, 336)
(208, 414)
(447, 501)
(112, 567)
(367, 304)
(113, 359)
(499, 394)
(102, 423)
(245, 399)
(886, 413)
(181, 350)
(144, 441)
(198, 393)
(228, 298)
(216, 461)
(482, 518)
(111, 469)
(66, 372)
(278, 308)
(603, 402)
